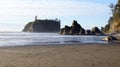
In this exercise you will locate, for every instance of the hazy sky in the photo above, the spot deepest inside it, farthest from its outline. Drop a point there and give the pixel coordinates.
(14, 14)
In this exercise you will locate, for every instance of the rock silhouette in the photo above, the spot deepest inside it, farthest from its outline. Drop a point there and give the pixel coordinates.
(82, 31)
(43, 26)
(88, 32)
(67, 30)
(75, 29)
(96, 31)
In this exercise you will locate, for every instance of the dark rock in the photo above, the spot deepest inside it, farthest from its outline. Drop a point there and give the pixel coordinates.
(109, 38)
(82, 31)
(75, 28)
(88, 32)
(43, 26)
(61, 31)
(66, 30)
(96, 31)
(28, 27)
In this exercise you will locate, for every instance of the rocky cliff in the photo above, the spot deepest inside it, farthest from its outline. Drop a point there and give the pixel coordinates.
(43, 26)
(113, 25)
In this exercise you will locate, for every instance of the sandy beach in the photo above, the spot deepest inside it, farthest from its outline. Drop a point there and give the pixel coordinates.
(92, 55)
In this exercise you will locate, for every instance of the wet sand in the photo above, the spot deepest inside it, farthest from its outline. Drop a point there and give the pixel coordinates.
(82, 55)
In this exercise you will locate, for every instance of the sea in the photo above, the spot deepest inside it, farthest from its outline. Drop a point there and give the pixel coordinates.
(26, 39)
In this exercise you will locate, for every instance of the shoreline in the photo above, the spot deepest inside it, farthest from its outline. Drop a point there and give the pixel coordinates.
(109, 43)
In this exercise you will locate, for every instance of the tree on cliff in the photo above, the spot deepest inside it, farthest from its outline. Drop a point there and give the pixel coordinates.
(113, 25)
(39, 25)
(112, 8)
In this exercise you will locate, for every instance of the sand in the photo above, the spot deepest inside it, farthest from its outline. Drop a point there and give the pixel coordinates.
(92, 55)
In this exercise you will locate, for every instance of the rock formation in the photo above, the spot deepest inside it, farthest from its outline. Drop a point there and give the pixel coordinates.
(43, 26)
(75, 29)
(88, 32)
(96, 31)
(28, 27)
(66, 30)
(82, 31)
(113, 25)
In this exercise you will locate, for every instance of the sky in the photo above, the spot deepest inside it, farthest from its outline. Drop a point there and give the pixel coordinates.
(15, 14)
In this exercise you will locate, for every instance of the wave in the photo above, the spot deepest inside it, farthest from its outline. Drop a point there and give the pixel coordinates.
(14, 39)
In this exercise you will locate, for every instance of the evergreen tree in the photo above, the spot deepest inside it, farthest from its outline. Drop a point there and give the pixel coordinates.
(114, 21)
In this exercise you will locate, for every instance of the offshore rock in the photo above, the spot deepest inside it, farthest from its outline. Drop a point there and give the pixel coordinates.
(75, 29)
(43, 26)
(88, 32)
(96, 31)
(82, 31)
(66, 30)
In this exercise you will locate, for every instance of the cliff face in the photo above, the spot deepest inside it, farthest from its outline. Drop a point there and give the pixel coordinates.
(28, 27)
(113, 25)
(43, 26)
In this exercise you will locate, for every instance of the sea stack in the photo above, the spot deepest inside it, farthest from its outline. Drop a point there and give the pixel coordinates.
(47, 25)
(75, 29)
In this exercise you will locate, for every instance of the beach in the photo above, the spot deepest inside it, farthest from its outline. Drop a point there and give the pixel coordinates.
(77, 55)
(60, 33)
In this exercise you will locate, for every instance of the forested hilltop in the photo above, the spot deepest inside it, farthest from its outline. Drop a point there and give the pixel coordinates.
(43, 26)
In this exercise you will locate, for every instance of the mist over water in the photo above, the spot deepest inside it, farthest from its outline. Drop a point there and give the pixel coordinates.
(21, 39)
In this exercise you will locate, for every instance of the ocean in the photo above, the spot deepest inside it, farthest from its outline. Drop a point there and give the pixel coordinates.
(24, 39)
